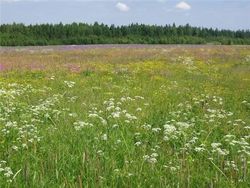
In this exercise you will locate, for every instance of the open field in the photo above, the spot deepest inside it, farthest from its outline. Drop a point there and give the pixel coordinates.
(125, 116)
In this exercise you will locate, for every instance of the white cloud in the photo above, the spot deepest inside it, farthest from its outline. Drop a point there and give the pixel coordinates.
(122, 7)
(183, 6)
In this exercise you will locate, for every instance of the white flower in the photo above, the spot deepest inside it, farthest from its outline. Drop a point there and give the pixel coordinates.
(243, 102)
(73, 114)
(104, 137)
(130, 117)
(118, 141)
(157, 129)
(139, 97)
(169, 128)
(116, 170)
(130, 174)
(199, 149)
(138, 143)
(104, 122)
(15, 148)
(154, 155)
(152, 160)
(8, 174)
(183, 125)
(146, 126)
(137, 134)
(146, 157)
(123, 99)
(222, 151)
(100, 152)
(70, 84)
(109, 108)
(138, 109)
(115, 126)
(115, 114)
(93, 115)
(118, 108)
(215, 145)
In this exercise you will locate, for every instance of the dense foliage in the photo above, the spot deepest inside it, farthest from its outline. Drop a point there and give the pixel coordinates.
(81, 33)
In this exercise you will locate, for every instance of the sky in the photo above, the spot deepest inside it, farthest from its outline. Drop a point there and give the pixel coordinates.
(221, 14)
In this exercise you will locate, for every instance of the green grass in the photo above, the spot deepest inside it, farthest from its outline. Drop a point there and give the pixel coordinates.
(177, 117)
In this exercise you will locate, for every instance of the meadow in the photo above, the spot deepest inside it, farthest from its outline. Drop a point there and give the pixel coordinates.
(125, 116)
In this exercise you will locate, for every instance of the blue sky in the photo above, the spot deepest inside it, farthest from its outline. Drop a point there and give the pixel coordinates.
(222, 14)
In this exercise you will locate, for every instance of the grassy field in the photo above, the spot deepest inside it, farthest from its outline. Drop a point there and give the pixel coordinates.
(139, 116)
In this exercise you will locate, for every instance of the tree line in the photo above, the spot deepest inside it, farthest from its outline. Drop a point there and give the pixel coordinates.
(82, 33)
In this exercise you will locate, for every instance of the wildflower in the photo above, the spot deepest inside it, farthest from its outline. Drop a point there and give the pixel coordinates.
(215, 145)
(93, 115)
(73, 115)
(137, 134)
(104, 137)
(156, 130)
(70, 84)
(123, 99)
(138, 109)
(173, 169)
(100, 152)
(169, 128)
(154, 155)
(152, 160)
(130, 117)
(8, 174)
(115, 126)
(139, 97)
(118, 141)
(116, 114)
(244, 102)
(146, 157)
(138, 143)
(146, 126)
(199, 149)
(15, 148)
(183, 125)
(103, 121)
(127, 121)
(109, 108)
(130, 174)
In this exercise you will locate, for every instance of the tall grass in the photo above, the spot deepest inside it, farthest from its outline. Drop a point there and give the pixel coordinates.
(148, 117)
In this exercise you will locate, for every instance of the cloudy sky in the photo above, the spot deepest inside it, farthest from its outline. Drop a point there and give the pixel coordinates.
(227, 14)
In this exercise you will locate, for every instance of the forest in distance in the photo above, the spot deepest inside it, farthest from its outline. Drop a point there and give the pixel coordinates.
(18, 34)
